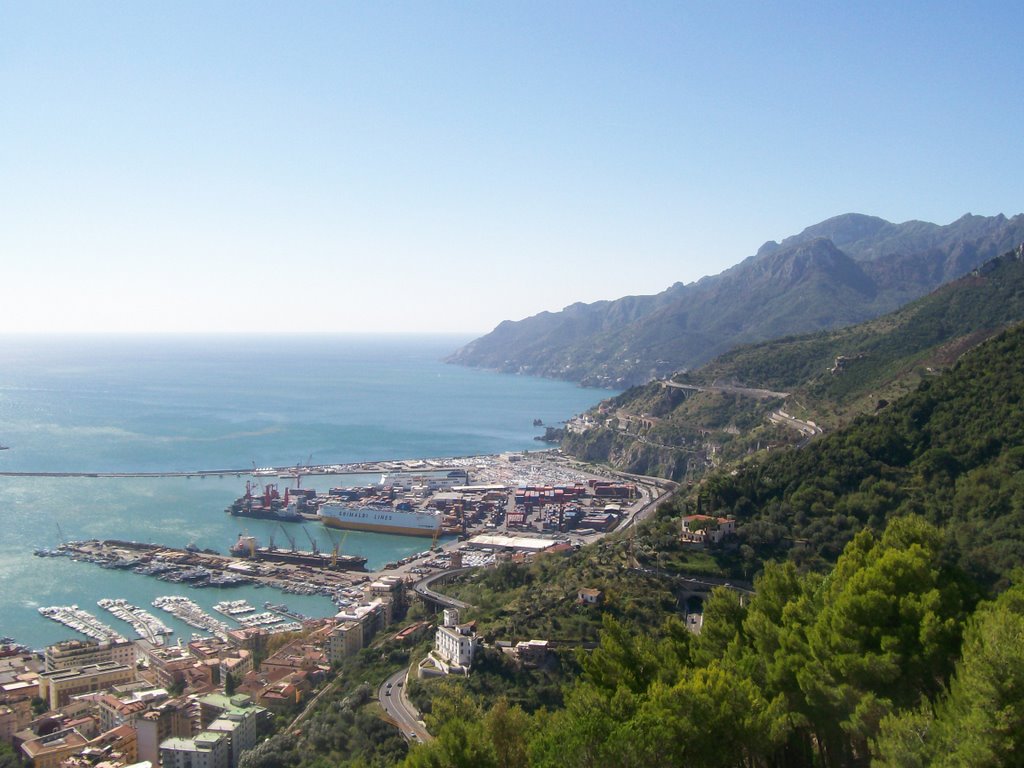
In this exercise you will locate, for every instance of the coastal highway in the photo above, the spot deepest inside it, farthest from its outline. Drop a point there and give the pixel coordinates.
(650, 507)
(399, 710)
(422, 588)
(805, 428)
(658, 490)
(759, 394)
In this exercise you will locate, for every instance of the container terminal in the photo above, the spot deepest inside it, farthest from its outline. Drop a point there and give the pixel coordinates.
(453, 497)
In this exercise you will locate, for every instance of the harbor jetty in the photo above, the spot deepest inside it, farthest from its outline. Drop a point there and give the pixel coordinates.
(82, 621)
(282, 609)
(234, 608)
(186, 610)
(271, 620)
(204, 568)
(146, 625)
(290, 472)
(260, 619)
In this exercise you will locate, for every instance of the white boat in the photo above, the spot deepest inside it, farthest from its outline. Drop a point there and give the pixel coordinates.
(233, 608)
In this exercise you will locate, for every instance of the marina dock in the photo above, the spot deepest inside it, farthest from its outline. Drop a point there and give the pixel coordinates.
(146, 625)
(184, 609)
(200, 569)
(82, 621)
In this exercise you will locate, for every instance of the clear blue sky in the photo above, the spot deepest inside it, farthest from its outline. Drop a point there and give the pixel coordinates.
(372, 166)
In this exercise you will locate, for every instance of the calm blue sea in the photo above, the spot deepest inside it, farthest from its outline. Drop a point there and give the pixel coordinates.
(102, 404)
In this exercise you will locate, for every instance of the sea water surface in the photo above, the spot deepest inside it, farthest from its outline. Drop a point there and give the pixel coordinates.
(129, 403)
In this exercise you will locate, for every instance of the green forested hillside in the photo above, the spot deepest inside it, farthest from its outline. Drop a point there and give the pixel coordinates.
(930, 330)
(884, 661)
(830, 377)
(952, 451)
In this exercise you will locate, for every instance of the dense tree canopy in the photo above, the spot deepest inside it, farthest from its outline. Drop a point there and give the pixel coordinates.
(979, 720)
(951, 452)
(810, 671)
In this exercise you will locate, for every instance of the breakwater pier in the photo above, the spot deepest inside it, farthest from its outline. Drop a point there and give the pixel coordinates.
(206, 568)
(290, 471)
(271, 472)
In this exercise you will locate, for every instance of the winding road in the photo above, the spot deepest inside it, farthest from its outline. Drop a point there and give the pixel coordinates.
(760, 394)
(398, 710)
(422, 588)
(806, 428)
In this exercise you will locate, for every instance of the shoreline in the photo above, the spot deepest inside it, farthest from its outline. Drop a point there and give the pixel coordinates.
(510, 469)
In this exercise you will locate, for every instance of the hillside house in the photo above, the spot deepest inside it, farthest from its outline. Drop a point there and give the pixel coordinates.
(700, 529)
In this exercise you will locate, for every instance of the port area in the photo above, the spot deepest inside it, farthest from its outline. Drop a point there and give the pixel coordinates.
(496, 506)
(202, 569)
(535, 492)
(522, 504)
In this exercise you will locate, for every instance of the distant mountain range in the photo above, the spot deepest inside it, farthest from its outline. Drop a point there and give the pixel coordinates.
(844, 270)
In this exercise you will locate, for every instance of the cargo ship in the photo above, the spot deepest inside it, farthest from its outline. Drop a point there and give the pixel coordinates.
(379, 519)
(267, 505)
(248, 547)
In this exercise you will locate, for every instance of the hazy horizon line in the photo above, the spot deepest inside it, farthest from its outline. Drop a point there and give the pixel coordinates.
(228, 333)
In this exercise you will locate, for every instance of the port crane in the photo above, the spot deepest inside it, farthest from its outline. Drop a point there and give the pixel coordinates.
(312, 543)
(337, 545)
(301, 468)
(291, 539)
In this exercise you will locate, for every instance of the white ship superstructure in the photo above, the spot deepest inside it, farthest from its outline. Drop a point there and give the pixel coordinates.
(379, 519)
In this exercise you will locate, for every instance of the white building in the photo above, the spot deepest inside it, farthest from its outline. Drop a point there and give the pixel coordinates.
(207, 750)
(241, 730)
(454, 647)
(356, 626)
(429, 483)
(234, 716)
(83, 653)
(230, 726)
(168, 720)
